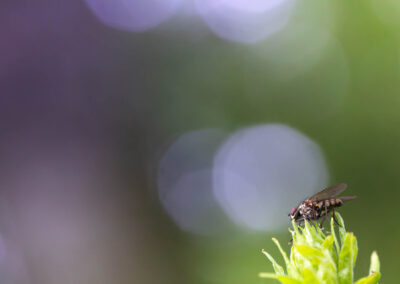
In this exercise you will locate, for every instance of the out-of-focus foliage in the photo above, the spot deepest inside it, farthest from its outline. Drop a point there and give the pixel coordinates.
(319, 258)
(88, 111)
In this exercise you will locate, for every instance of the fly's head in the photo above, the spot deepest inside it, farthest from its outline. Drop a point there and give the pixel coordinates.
(294, 213)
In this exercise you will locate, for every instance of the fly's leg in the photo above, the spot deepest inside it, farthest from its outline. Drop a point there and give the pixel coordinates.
(324, 215)
(322, 222)
(326, 209)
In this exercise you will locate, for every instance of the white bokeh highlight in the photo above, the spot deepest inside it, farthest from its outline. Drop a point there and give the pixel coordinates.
(261, 172)
(185, 182)
(133, 15)
(245, 21)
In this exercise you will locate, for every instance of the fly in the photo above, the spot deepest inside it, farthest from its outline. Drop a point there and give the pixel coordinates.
(320, 205)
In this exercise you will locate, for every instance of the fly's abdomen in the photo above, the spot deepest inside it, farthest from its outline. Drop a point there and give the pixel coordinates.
(339, 202)
(329, 204)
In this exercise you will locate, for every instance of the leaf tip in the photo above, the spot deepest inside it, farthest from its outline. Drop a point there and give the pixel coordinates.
(375, 264)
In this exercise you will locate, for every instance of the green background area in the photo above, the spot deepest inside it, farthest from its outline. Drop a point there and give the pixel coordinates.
(348, 103)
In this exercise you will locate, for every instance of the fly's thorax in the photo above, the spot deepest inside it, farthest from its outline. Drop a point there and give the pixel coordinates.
(305, 209)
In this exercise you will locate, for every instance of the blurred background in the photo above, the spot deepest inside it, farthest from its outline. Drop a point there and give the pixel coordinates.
(165, 141)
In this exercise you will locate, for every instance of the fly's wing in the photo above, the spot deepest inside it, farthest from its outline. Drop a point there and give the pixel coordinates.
(347, 198)
(329, 192)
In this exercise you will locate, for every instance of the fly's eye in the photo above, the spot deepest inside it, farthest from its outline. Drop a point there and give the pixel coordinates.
(292, 211)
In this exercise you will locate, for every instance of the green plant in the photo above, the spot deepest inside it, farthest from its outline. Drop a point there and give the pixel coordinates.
(319, 258)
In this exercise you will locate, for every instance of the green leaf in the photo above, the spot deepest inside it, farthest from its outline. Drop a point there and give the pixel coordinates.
(334, 236)
(296, 231)
(285, 257)
(309, 276)
(328, 244)
(355, 250)
(308, 252)
(319, 258)
(347, 259)
(342, 228)
(374, 274)
(292, 255)
(375, 265)
(311, 234)
(290, 268)
(277, 268)
(319, 231)
(282, 278)
(372, 279)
